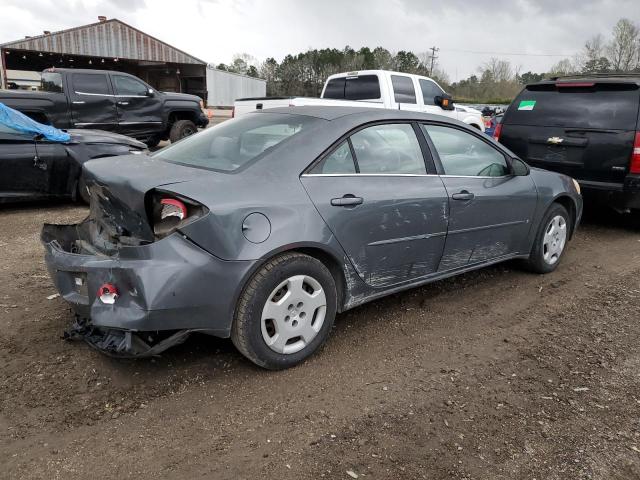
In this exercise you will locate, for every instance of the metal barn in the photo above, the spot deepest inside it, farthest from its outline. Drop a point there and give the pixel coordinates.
(105, 45)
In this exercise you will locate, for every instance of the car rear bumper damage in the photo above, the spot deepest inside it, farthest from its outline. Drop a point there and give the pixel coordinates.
(162, 291)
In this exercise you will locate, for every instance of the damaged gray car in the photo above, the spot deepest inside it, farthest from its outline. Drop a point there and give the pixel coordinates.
(263, 228)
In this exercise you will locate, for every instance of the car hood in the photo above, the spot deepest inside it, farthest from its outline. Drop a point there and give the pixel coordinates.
(181, 96)
(101, 136)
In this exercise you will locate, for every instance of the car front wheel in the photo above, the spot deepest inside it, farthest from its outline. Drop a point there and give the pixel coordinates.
(285, 312)
(551, 240)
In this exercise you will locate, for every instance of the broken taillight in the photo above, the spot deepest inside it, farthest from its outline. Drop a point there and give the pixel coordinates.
(108, 293)
(172, 208)
(168, 212)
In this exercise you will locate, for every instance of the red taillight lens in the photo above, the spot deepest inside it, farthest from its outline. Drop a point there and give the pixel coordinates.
(634, 167)
(497, 132)
(172, 208)
(108, 293)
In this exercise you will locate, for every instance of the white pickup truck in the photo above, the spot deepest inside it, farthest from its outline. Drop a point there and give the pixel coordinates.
(374, 88)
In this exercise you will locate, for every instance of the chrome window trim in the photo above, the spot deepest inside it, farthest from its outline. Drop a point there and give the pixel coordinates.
(370, 175)
(94, 94)
(475, 176)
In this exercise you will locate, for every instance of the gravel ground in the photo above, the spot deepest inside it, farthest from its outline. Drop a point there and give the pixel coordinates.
(497, 374)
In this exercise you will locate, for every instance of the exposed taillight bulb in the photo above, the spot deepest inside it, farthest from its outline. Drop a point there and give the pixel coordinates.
(108, 293)
(497, 132)
(172, 208)
(634, 166)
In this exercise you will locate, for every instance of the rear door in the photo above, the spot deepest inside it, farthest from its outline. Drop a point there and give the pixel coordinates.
(139, 110)
(583, 129)
(490, 209)
(93, 104)
(386, 207)
(404, 92)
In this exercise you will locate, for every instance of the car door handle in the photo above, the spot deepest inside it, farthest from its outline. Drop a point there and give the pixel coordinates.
(123, 103)
(347, 201)
(463, 195)
(78, 102)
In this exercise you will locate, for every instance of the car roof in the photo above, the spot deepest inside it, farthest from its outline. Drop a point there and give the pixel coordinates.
(595, 77)
(82, 70)
(369, 113)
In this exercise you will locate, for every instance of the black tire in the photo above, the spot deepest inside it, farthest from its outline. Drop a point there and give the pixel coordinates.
(536, 262)
(182, 129)
(83, 192)
(246, 333)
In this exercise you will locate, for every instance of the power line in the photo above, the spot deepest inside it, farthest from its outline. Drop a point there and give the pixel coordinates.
(520, 54)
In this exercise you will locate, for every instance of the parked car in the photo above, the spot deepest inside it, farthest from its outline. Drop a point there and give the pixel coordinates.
(262, 228)
(113, 101)
(39, 161)
(376, 89)
(586, 127)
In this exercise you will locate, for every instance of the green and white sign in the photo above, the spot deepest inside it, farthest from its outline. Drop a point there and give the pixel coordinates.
(527, 105)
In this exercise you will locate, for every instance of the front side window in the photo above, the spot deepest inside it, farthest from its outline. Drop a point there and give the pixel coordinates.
(429, 91)
(388, 149)
(51, 82)
(463, 154)
(340, 161)
(235, 143)
(127, 86)
(95, 84)
(403, 89)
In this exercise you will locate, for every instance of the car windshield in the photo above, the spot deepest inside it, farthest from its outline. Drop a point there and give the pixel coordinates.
(235, 143)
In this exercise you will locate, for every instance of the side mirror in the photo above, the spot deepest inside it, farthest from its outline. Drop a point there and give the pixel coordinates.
(519, 168)
(444, 101)
(150, 92)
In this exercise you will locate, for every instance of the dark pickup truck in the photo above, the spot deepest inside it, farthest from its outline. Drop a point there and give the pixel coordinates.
(106, 100)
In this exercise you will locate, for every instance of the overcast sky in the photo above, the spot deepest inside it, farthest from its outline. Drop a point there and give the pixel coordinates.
(214, 30)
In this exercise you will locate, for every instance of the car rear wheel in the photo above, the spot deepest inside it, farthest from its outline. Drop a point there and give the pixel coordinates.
(550, 241)
(182, 129)
(285, 312)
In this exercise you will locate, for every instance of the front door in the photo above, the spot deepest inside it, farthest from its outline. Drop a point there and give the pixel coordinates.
(93, 104)
(490, 208)
(429, 91)
(387, 212)
(139, 110)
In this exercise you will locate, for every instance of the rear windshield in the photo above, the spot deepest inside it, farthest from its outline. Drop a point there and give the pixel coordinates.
(235, 143)
(603, 106)
(363, 87)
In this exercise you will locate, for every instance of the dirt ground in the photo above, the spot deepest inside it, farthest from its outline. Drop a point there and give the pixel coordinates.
(497, 374)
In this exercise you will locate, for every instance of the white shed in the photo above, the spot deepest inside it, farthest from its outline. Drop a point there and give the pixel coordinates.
(224, 87)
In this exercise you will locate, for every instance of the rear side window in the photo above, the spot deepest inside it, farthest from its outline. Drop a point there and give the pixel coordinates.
(91, 83)
(403, 89)
(388, 149)
(51, 82)
(429, 91)
(340, 161)
(234, 144)
(603, 106)
(362, 87)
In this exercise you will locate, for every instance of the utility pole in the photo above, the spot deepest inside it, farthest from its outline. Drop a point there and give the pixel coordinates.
(433, 58)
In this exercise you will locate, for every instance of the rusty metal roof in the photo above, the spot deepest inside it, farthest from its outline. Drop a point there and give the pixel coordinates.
(109, 38)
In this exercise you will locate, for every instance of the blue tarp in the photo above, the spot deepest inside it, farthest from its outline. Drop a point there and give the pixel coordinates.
(21, 123)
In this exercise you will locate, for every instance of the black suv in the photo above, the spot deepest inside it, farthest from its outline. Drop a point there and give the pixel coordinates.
(584, 126)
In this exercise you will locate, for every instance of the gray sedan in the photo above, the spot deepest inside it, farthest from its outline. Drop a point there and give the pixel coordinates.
(263, 228)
